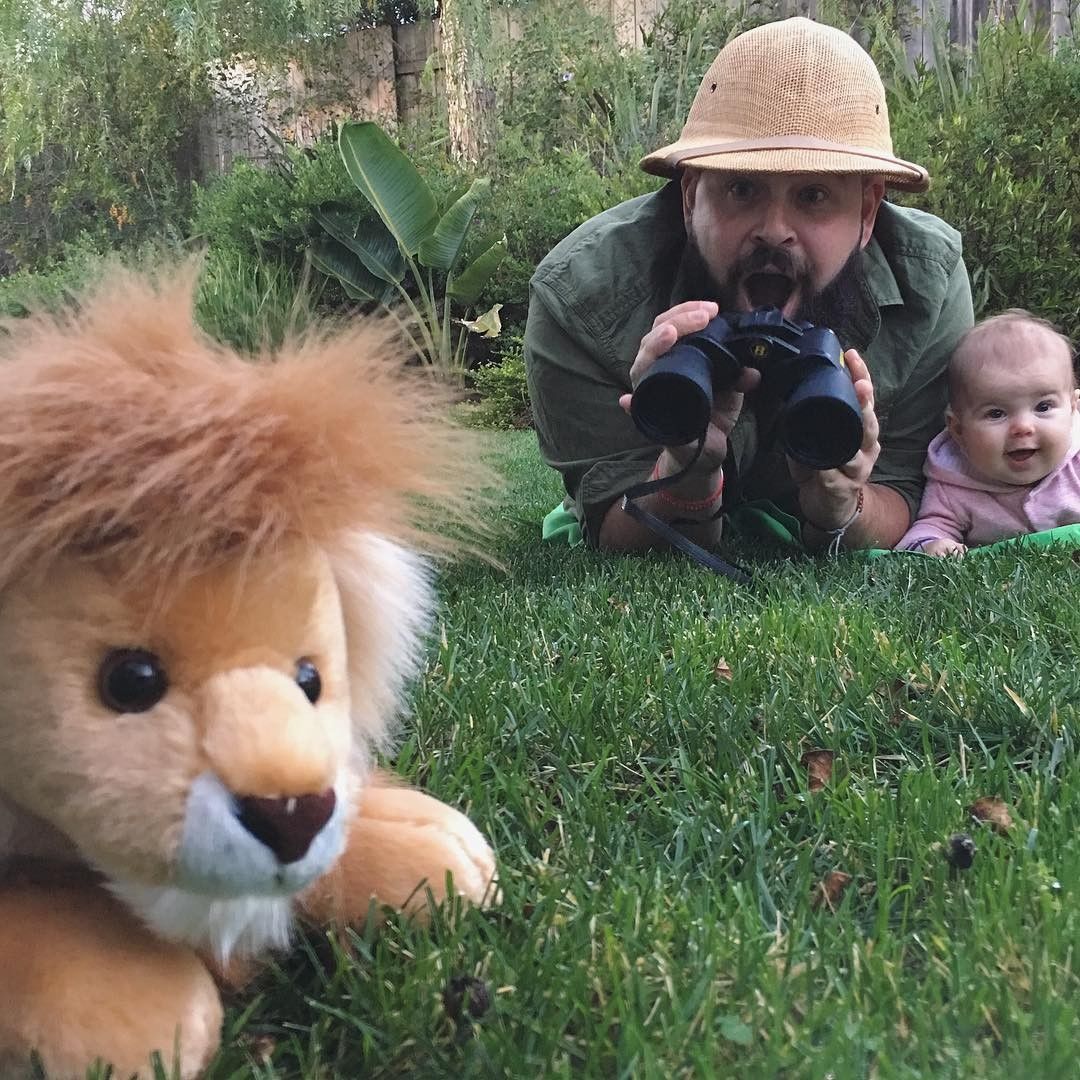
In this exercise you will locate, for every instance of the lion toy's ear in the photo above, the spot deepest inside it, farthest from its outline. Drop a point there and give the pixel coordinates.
(212, 594)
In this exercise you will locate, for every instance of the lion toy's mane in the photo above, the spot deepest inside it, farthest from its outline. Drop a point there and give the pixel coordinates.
(121, 415)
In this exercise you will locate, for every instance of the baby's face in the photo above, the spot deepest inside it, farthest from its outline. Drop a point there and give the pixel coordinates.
(1014, 416)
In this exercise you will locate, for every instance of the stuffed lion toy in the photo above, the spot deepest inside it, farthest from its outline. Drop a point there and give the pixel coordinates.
(212, 594)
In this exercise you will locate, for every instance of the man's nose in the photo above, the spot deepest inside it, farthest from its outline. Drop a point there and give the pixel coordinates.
(774, 227)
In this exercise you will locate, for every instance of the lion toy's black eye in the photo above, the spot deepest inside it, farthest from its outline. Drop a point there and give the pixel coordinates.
(131, 680)
(308, 679)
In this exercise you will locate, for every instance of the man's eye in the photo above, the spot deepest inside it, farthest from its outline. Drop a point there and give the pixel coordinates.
(814, 196)
(741, 189)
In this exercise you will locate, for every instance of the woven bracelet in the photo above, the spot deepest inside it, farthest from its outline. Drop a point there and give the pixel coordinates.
(837, 535)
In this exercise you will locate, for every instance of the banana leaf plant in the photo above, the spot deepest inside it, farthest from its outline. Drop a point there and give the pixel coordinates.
(410, 238)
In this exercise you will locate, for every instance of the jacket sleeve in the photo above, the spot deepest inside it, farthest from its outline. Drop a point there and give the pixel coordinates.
(918, 412)
(939, 518)
(582, 430)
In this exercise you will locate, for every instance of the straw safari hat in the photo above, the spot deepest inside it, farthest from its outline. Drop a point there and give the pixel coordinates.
(790, 97)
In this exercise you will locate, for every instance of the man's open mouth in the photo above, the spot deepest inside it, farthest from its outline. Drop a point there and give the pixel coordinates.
(768, 289)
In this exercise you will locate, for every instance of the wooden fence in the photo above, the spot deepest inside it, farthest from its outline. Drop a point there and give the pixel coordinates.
(380, 73)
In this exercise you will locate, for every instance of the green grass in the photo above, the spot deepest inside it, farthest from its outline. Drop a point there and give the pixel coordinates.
(660, 848)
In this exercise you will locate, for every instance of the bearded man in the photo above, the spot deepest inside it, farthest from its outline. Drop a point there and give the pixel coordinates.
(775, 199)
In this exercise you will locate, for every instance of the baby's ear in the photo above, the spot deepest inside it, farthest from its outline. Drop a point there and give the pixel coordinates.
(1076, 400)
(952, 422)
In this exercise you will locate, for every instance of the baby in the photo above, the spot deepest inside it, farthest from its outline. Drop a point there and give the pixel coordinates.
(1009, 461)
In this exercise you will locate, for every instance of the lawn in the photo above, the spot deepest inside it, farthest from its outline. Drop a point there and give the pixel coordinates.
(632, 734)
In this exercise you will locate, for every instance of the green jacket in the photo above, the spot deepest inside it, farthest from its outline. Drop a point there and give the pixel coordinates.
(596, 294)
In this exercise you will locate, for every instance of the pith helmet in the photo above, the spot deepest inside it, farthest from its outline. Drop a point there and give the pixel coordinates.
(790, 97)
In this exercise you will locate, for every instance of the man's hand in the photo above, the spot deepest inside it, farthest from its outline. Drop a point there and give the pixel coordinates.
(667, 328)
(828, 497)
(943, 546)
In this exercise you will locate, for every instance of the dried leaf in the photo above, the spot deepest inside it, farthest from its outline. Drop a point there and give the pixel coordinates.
(722, 670)
(992, 811)
(903, 688)
(909, 686)
(830, 889)
(819, 764)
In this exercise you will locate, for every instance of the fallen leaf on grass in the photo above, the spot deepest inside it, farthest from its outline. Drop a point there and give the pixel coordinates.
(830, 889)
(992, 811)
(819, 765)
(722, 670)
(908, 686)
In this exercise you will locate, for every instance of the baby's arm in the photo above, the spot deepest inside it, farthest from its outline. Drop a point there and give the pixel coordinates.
(941, 546)
(940, 528)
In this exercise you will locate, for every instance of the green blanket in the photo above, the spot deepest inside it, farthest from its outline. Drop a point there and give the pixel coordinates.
(762, 520)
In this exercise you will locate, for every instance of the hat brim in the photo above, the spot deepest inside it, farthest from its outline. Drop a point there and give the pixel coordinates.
(788, 154)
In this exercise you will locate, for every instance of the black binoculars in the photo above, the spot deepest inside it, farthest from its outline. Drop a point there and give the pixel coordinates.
(802, 370)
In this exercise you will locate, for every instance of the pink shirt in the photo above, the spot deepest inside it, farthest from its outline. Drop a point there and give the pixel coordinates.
(961, 505)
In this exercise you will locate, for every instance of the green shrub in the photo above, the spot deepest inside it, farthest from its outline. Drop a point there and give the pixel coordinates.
(253, 305)
(58, 280)
(1005, 169)
(255, 209)
(503, 395)
(248, 303)
(540, 198)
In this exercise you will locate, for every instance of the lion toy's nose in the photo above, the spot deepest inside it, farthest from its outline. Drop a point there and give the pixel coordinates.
(286, 825)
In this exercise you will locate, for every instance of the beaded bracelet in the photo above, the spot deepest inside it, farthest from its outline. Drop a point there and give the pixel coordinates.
(688, 505)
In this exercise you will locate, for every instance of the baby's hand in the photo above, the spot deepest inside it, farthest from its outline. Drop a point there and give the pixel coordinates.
(943, 546)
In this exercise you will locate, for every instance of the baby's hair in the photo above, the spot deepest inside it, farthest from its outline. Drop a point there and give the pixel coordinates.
(969, 352)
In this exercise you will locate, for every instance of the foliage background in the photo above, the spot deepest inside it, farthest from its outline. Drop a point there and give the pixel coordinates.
(97, 100)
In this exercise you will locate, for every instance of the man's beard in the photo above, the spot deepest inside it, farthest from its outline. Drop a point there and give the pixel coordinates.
(835, 305)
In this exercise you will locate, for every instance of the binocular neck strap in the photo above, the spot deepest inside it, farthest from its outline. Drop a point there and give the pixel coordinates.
(666, 530)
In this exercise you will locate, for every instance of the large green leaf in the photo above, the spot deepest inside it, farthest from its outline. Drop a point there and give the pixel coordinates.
(442, 248)
(389, 181)
(337, 261)
(467, 287)
(370, 242)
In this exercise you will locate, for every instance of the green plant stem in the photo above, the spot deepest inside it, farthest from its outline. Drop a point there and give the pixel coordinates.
(429, 348)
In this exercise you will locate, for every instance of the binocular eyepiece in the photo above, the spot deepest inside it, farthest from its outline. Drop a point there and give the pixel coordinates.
(802, 370)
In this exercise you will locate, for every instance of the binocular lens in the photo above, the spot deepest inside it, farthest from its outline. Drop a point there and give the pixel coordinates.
(673, 403)
(823, 422)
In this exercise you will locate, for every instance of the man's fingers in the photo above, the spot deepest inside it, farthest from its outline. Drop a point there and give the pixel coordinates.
(694, 308)
(871, 428)
(856, 366)
(667, 328)
(749, 379)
